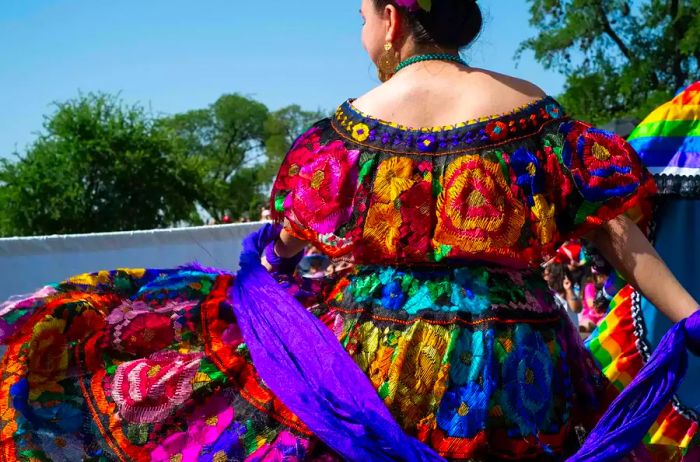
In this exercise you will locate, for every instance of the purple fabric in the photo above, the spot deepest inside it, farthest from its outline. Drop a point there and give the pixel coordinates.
(303, 363)
(630, 416)
(280, 265)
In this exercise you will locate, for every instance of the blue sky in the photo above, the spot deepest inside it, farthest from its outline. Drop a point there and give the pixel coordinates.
(176, 55)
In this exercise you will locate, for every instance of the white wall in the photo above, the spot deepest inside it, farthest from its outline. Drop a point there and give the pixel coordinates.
(28, 263)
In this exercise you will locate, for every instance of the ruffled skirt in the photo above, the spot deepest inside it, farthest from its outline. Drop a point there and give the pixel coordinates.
(150, 365)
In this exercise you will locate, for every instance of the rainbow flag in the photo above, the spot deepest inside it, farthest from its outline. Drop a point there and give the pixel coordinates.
(617, 347)
(668, 140)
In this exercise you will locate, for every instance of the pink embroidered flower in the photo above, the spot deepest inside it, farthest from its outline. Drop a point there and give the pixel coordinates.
(204, 427)
(147, 390)
(322, 199)
(286, 447)
(302, 152)
(177, 447)
(209, 421)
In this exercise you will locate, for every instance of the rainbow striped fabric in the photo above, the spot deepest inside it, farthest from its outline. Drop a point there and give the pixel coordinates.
(620, 349)
(668, 140)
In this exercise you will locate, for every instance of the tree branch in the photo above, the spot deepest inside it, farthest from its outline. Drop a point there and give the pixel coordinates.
(607, 28)
(624, 49)
(677, 30)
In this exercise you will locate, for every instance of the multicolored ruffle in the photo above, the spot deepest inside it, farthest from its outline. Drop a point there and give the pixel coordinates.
(620, 348)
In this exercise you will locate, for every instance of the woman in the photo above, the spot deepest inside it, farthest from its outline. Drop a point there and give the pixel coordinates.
(445, 318)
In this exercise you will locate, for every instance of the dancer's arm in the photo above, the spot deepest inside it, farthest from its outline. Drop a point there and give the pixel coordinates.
(286, 246)
(624, 245)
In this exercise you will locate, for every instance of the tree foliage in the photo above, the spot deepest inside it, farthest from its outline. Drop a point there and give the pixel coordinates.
(621, 58)
(98, 166)
(225, 143)
(104, 166)
(282, 128)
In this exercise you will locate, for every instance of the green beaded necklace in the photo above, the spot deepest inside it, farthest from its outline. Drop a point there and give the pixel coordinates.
(430, 57)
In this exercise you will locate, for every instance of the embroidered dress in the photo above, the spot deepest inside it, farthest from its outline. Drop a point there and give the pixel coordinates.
(445, 310)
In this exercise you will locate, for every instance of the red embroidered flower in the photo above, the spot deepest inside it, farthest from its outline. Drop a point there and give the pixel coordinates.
(496, 130)
(416, 217)
(147, 333)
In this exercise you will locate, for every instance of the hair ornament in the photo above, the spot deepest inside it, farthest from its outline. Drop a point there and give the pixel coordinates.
(415, 5)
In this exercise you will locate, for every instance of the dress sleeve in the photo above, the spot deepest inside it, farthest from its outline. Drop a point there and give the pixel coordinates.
(313, 194)
(600, 177)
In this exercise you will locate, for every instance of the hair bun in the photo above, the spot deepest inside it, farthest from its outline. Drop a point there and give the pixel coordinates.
(450, 23)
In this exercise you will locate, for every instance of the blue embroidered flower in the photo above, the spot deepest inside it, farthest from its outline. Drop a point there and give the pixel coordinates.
(229, 445)
(527, 382)
(464, 407)
(393, 297)
(427, 143)
(421, 300)
(553, 110)
(463, 412)
(530, 176)
(470, 292)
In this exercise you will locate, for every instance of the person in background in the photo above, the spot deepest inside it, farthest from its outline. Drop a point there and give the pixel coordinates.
(560, 283)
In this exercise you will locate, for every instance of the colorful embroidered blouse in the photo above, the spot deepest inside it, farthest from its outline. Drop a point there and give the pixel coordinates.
(505, 189)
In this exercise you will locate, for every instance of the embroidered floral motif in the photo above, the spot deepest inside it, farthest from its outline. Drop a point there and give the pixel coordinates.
(381, 230)
(147, 390)
(476, 209)
(464, 407)
(322, 195)
(360, 132)
(303, 151)
(48, 357)
(527, 375)
(394, 176)
(204, 427)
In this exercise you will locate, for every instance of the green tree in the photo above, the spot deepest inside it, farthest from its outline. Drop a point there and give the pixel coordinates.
(621, 58)
(282, 128)
(225, 143)
(99, 166)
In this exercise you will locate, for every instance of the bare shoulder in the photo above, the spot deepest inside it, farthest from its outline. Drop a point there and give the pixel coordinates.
(444, 98)
(494, 92)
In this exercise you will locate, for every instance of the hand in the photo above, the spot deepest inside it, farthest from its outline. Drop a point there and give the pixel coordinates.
(266, 264)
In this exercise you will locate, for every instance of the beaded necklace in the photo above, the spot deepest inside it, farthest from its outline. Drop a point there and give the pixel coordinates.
(430, 57)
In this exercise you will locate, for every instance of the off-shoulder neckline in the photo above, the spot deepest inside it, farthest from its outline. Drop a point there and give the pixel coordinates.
(372, 132)
(486, 118)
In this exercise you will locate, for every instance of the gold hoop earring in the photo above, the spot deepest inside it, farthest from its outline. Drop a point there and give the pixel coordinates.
(386, 66)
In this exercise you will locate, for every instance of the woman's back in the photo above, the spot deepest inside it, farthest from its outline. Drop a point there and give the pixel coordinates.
(437, 94)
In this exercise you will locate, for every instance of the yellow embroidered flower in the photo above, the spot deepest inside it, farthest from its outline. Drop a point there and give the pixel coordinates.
(545, 216)
(417, 367)
(394, 176)
(381, 230)
(360, 132)
(477, 210)
(368, 335)
(48, 357)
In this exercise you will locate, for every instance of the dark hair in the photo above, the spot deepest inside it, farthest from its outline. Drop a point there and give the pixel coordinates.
(448, 24)
(556, 277)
